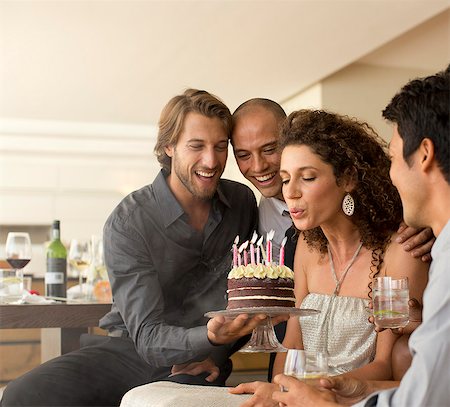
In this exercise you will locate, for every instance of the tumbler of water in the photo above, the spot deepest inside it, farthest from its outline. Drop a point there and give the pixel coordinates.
(390, 302)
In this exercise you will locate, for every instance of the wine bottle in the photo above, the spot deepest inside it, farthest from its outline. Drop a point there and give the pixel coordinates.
(56, 275)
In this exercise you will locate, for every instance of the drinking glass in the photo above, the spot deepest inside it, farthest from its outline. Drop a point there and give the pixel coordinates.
(80, 257)
(306, 366)
(11, 286)
(18, 249)
(100, 283)
(390, 302)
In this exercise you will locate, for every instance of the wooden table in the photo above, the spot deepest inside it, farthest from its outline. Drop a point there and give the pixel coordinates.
(61, 324)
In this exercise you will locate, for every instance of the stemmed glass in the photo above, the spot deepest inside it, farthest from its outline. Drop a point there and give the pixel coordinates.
(18, 249)
(18, 255)
(100, 283)
(80, 257)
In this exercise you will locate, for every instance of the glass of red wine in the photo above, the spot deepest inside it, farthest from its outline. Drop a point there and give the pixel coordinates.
(18, 249)
(18, 255)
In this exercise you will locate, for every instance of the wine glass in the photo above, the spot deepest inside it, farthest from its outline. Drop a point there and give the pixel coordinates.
(100, 282)
(308, 367)
(18, 255)
(18, 249)
(80, 257)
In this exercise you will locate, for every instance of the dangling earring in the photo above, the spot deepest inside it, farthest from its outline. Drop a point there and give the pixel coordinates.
(348, 205)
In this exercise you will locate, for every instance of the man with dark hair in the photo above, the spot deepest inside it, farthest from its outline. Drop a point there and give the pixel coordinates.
(420, 150)
(167, 251)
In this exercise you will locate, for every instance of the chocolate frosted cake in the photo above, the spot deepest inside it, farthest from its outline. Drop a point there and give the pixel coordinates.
(258, 285)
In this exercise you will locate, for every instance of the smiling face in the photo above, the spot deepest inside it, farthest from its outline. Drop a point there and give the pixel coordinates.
(255, 138)
(198, 157)
(309, 188)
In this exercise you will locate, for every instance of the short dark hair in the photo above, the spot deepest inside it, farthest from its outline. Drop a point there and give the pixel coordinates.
(174, 114)
(421, 110)
(267, 104)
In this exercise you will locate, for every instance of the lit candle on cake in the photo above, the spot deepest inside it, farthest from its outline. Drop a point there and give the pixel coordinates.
(235, 252)
(283, 243)
(252, 247)
(269, 245)
(243, 250)
(258, 249)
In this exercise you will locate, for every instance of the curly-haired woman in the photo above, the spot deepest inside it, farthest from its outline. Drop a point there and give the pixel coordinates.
(335, 175)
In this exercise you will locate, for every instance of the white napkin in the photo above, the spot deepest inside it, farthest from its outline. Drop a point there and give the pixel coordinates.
(28, 298)
(74, 292)
(168, 394)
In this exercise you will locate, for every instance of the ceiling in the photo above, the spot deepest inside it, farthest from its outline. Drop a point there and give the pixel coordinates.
(120, 61)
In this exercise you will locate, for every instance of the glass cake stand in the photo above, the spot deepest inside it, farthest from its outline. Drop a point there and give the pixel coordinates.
(263, 337)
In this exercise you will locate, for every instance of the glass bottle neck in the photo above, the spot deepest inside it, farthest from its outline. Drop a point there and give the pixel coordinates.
(55, 234)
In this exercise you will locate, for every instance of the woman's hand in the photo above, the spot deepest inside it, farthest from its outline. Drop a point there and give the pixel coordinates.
(415, 318)
(262, 394)
(196, 368)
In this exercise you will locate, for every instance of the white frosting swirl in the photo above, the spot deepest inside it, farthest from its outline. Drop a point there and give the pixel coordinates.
(261, 271)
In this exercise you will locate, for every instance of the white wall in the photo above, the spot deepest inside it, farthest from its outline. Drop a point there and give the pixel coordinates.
(70, 171)
(74, 172)
(310, 98)
(363, 91)
(359, 90)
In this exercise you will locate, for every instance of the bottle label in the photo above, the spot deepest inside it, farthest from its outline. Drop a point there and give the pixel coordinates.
(56, 270)
(54, 278)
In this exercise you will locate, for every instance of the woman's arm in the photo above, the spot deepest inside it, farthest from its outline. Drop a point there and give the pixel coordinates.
(380, 368)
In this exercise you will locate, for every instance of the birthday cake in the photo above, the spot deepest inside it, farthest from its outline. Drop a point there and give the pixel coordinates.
(259, 285)
(257, 281)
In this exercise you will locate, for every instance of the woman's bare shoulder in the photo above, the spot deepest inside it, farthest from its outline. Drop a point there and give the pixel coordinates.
(397, 260)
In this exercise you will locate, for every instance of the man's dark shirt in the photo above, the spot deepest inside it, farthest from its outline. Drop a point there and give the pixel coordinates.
(165, 275)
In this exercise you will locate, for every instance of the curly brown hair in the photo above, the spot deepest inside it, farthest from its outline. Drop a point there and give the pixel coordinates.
(352, 148)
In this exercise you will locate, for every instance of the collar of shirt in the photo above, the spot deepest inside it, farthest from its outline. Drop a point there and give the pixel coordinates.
(171, 208)
(441, 241)
(280, 206)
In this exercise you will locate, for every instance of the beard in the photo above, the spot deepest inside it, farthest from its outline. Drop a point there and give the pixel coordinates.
(188, 180)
